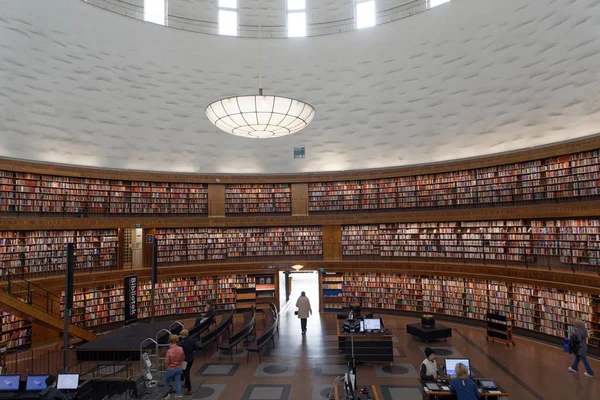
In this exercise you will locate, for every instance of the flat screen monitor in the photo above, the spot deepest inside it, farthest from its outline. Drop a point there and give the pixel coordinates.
(451, 365)
(36, 383)
(67, 381)
(9, 383)
(372, 324)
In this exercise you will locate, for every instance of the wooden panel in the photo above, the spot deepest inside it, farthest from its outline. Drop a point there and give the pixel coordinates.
(147, 248)
(216, 200)
(300, 199)
(332, 242)
(41, 334)
(573, 146)
(277, 291)
(554, 211)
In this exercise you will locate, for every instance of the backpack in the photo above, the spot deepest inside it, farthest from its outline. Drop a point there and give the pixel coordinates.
(574, 344)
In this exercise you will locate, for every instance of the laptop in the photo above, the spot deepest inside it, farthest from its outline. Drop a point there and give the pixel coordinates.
(9, 386)
(488, 384)
(67, 381)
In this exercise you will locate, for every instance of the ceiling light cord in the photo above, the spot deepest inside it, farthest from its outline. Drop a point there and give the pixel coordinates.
(260, 66)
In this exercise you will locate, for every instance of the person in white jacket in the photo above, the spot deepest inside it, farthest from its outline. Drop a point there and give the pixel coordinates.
(304, 310)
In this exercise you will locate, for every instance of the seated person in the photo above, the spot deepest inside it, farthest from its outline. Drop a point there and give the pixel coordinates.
(462, 386)
(429, 368)
(209, 313)
(52, 393)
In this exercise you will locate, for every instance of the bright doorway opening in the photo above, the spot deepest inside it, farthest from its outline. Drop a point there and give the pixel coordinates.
(299, 282)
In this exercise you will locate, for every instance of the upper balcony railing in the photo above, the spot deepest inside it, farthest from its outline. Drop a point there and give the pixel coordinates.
(185, 23)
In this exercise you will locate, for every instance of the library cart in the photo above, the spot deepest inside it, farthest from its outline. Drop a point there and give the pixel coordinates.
(499, 327)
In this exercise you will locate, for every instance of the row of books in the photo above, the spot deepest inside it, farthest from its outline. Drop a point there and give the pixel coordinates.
(185, 245)
(15, 331)
(521, 182)
(542, 309)
(572, 241)
(258, 198)
(32, 252)
(105, 304)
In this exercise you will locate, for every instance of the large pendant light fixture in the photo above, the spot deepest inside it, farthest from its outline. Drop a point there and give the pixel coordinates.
(260, 116)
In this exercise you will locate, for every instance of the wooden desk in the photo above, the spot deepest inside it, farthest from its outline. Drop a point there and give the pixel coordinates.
(368, 347)
(430, 394)
(372, 393)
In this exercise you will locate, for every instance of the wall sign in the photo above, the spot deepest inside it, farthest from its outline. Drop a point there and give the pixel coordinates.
(131, 309)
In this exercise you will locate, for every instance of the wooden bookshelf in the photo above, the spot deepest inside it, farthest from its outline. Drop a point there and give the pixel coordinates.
(265, 288)
(268, 198)
(26, 193)
(187, 295)
(15, 331)
(332, 291)
(32, 253)
(197, 245)
(544, 310)
(97, 305)
(565, 177)
(570, 242)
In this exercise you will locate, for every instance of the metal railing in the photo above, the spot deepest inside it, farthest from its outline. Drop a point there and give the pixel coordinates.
(30, 293)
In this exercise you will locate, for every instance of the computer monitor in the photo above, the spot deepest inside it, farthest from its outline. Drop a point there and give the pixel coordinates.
(67, 381)
(451, 365)
(35, 383)
(372, 324)
(9, 383)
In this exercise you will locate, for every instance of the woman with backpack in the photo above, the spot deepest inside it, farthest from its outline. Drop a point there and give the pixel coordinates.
(578, 346)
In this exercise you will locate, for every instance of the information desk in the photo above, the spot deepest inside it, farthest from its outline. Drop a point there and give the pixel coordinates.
(444, 393)
(368, 347)
(372, 395)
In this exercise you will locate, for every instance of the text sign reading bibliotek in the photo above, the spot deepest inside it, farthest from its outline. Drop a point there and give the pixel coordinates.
(131, 309)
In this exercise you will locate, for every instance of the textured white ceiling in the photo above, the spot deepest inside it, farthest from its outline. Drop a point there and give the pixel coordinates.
(84, 86)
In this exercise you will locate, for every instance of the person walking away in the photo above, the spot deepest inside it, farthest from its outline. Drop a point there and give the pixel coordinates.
(463, 387)
(189, 346)
(304, 310)
(175, 356)
(579, 346)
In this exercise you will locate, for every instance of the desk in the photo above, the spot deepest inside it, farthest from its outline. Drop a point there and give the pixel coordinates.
(368, 347)
(371, 396)
(430, 394)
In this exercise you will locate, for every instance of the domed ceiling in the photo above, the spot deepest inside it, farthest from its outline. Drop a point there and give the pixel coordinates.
(80, 85)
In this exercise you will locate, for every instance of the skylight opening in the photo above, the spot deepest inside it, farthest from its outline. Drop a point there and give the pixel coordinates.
(435, 3)
(296, 24)
(228, 22)
(155, 11)
(365, 14)
(296, 5)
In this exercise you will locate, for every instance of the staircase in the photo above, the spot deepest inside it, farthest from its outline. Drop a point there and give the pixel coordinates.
(31, 302)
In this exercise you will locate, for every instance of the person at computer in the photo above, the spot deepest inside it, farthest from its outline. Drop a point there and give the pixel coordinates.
(304, 310)
(175, 356)
(429, 368)
(580, 338)
(189, 346)
(52, 393)
(209, 313)
(463, 387)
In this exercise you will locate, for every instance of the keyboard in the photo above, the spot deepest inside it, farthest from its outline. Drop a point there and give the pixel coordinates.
(9, 395)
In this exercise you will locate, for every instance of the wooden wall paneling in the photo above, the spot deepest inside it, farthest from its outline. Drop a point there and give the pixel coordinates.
(332, 242)
(147, 247)
(572, 146)
(42, 334)
(277, 291)
(216, 200)
(299, 198)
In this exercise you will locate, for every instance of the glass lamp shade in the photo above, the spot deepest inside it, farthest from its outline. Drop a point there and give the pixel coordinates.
(260, 117)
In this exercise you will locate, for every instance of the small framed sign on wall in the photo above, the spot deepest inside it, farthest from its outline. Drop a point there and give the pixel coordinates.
(149, 238)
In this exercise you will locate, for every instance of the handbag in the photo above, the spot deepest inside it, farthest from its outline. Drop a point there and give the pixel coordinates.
(295, 312)
(183, 365)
